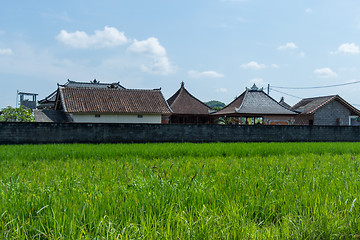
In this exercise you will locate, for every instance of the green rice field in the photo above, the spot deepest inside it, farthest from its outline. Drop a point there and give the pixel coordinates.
(180, 191)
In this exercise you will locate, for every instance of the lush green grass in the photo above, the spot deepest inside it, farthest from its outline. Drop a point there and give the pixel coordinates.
(180, 191)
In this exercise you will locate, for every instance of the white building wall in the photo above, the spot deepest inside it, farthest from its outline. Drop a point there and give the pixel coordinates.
(119, 118)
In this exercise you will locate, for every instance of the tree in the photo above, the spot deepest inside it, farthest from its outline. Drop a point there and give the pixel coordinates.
(216, 105)
(20, 114)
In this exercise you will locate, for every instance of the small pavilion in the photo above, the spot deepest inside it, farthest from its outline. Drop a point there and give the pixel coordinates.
(254, 106)
(187, 108)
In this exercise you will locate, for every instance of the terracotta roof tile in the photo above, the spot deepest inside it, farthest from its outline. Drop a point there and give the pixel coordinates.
(101, 100)
(182, 102)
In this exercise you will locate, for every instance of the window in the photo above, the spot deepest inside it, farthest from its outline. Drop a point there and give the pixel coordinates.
(243, 120)
(258, 120)
(311, 122)
(97, 115)
(354, 121)
(140, 116)
(250, 121)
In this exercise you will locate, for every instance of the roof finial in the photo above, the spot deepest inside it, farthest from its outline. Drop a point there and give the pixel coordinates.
(254, 87)
(182, 84)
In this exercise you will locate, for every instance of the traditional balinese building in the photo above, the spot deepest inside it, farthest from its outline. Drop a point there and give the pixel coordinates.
(284, 104)
(254, 106)
(49, 101)
(112, 105)
(326, 110)
(188, 109)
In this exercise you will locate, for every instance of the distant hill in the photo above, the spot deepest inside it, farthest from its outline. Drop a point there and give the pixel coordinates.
(215, 104)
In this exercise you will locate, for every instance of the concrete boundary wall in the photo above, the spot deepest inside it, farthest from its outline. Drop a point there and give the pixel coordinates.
(40, 133)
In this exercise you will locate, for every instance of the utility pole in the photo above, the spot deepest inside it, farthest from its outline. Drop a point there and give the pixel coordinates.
(17, 97)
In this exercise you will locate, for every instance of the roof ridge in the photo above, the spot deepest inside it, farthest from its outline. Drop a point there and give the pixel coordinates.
(196, 98)
(279, 103)
(112, 89)
(62, 99)
(318, 97)
(166, 102)
(230, 103)
(242, 102)
(324, 103)
(183, 89)
(173, 97)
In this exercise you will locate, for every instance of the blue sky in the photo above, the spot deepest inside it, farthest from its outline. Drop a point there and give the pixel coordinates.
(217, 47)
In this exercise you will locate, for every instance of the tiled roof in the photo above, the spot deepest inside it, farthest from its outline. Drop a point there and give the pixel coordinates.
(284, 104)
(107, 100)
(310, 105)
(49, 116)
(255, 102)
(92, 84)
(50, 98)
(182, 102)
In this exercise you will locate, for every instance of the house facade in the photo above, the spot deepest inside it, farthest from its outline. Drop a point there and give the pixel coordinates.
(254, 106)
(327, 110)
(112, 105)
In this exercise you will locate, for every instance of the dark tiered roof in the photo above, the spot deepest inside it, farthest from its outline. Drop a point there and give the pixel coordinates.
(310, 105)
(182, 102)
(255, 101)
(111, 100)
(284, 104)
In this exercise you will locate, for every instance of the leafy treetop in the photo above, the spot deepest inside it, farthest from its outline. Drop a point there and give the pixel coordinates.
(20, 114)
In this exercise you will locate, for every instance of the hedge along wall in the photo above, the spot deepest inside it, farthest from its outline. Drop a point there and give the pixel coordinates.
(40, 133)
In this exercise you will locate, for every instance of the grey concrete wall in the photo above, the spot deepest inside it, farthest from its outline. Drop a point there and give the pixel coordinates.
(329, 113)
(39, 133)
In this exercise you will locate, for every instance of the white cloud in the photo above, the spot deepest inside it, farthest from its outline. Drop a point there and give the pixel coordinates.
(348, 48)
(6, 51)
(149, 46)
(257, 81)
(287, 46)
(274, 65)
(109, 37)
(308, 10)
(222, 90)
(302, 54)
(205, 74)
(325, 73)
(152, 48)
(253, 65)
